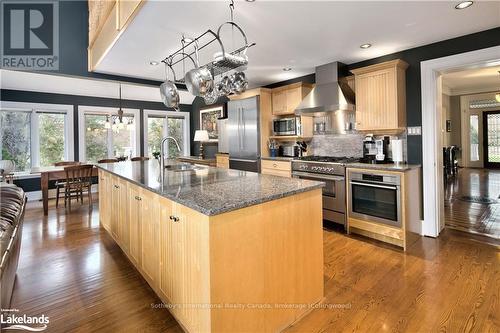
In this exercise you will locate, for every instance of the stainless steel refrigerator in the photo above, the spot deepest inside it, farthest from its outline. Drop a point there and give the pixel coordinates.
(243, 134)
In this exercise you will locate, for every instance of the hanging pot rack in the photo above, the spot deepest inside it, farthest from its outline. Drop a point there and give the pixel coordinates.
(216, 67)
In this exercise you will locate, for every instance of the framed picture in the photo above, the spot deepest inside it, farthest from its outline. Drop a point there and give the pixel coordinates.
(208, 121)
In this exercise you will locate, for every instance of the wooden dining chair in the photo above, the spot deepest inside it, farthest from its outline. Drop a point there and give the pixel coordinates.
(140, 158)
(108, 160)
(61, 183)
(78, 180)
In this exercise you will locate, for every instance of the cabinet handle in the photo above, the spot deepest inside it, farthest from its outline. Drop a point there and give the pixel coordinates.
(275, 165)
(174, 218)
(138, 198)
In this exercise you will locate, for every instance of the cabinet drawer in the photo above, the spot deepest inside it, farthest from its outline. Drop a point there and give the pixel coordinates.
(276, 172)
(276, 165)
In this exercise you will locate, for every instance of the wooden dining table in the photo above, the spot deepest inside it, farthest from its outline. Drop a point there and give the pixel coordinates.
(47, 174)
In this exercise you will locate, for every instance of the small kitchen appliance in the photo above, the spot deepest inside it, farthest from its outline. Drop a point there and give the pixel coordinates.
(287, 126)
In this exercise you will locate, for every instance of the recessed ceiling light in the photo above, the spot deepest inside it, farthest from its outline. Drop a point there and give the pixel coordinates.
(365, 46)
(154, 63)
(287, 69)
(464, 4)
(250, 0)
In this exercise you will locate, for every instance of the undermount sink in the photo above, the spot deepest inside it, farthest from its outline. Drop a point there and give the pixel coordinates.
(181, 167)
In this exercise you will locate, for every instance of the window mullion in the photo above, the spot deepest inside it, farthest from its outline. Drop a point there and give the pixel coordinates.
(35, 140)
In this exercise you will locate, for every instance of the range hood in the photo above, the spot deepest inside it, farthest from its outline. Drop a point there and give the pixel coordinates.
(331, 92)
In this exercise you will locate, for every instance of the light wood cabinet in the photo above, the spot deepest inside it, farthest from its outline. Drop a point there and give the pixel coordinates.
(276, 168)
(381, 97)
(115, 206)
(222, 161)
(410, 206)
(191, 259)
(105, 199)
(286, 99)
(150, 237)
(135, 213)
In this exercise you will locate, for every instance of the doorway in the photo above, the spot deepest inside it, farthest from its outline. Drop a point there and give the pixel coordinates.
(491, 139)
(471, 127)
(432, 155)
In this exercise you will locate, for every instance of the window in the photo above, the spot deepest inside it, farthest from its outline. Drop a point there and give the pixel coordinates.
(34, 135)
(474, 137)
(16, 138)
(99, 142)
(159, 124)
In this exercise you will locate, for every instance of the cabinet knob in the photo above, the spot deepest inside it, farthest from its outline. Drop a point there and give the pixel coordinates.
(116, 186)
(138, 198)
(174, 218)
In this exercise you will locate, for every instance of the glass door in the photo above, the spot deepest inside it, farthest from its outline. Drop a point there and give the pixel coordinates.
(491, 133)
(375, 203)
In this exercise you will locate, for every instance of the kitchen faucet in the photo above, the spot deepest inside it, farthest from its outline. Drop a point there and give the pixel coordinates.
(162, 154)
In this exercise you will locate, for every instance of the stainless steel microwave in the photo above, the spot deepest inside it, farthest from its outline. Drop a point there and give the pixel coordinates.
(287, 126)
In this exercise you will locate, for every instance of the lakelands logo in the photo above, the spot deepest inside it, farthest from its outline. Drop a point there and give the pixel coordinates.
(30, 35)
(10, 319)
(24, 322)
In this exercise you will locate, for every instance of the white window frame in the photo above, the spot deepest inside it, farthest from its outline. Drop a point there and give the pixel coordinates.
(84, 109)
(34, 108)
(166, 114)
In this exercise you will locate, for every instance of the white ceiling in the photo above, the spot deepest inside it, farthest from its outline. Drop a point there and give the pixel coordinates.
(473, 81)
(58, 84)
(299, 34)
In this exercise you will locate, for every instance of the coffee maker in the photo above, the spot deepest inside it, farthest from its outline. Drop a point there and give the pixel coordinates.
(369, 149)
(375, 151)
(382, 147)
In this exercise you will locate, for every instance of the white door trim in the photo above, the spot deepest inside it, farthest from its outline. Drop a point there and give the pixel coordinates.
(431, 70)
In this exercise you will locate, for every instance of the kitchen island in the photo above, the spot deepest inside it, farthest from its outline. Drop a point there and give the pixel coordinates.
(225, 250)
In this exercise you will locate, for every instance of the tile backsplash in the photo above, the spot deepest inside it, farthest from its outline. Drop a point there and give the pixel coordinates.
(337, 145)
(349, 145)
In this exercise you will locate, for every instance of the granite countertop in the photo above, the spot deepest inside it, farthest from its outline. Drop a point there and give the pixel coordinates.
(209, 190)
(386, 167)
(278, 158)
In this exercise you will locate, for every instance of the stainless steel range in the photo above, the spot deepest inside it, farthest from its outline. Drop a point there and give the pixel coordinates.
(330, 170)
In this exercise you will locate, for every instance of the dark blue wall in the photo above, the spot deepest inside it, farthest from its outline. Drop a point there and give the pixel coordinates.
(33, 184)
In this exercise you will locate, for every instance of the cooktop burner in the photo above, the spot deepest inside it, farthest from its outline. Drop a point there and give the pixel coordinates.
(329, 159)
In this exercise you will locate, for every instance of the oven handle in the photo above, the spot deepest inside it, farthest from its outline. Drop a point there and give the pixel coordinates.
(314, 176)
(374, 185)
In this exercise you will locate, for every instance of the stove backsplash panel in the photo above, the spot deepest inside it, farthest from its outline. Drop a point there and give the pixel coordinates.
(348, 145)
(337, 145)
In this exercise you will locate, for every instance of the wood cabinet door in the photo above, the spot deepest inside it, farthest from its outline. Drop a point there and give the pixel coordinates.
(279, 102)
(134, 216)
(190, 268)
(167, 268)
(115, 208)
(293, 99)
(105, 199)
(123, 216)
(376, 102)
(150, 236)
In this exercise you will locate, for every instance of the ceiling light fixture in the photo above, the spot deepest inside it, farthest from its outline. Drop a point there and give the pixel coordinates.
(250, 0)
(287, 69)
(365, 46)
(464, 4)
(154, 63)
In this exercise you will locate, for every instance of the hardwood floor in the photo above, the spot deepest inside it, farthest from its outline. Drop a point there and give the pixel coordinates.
(479, 218)
(72, 271)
